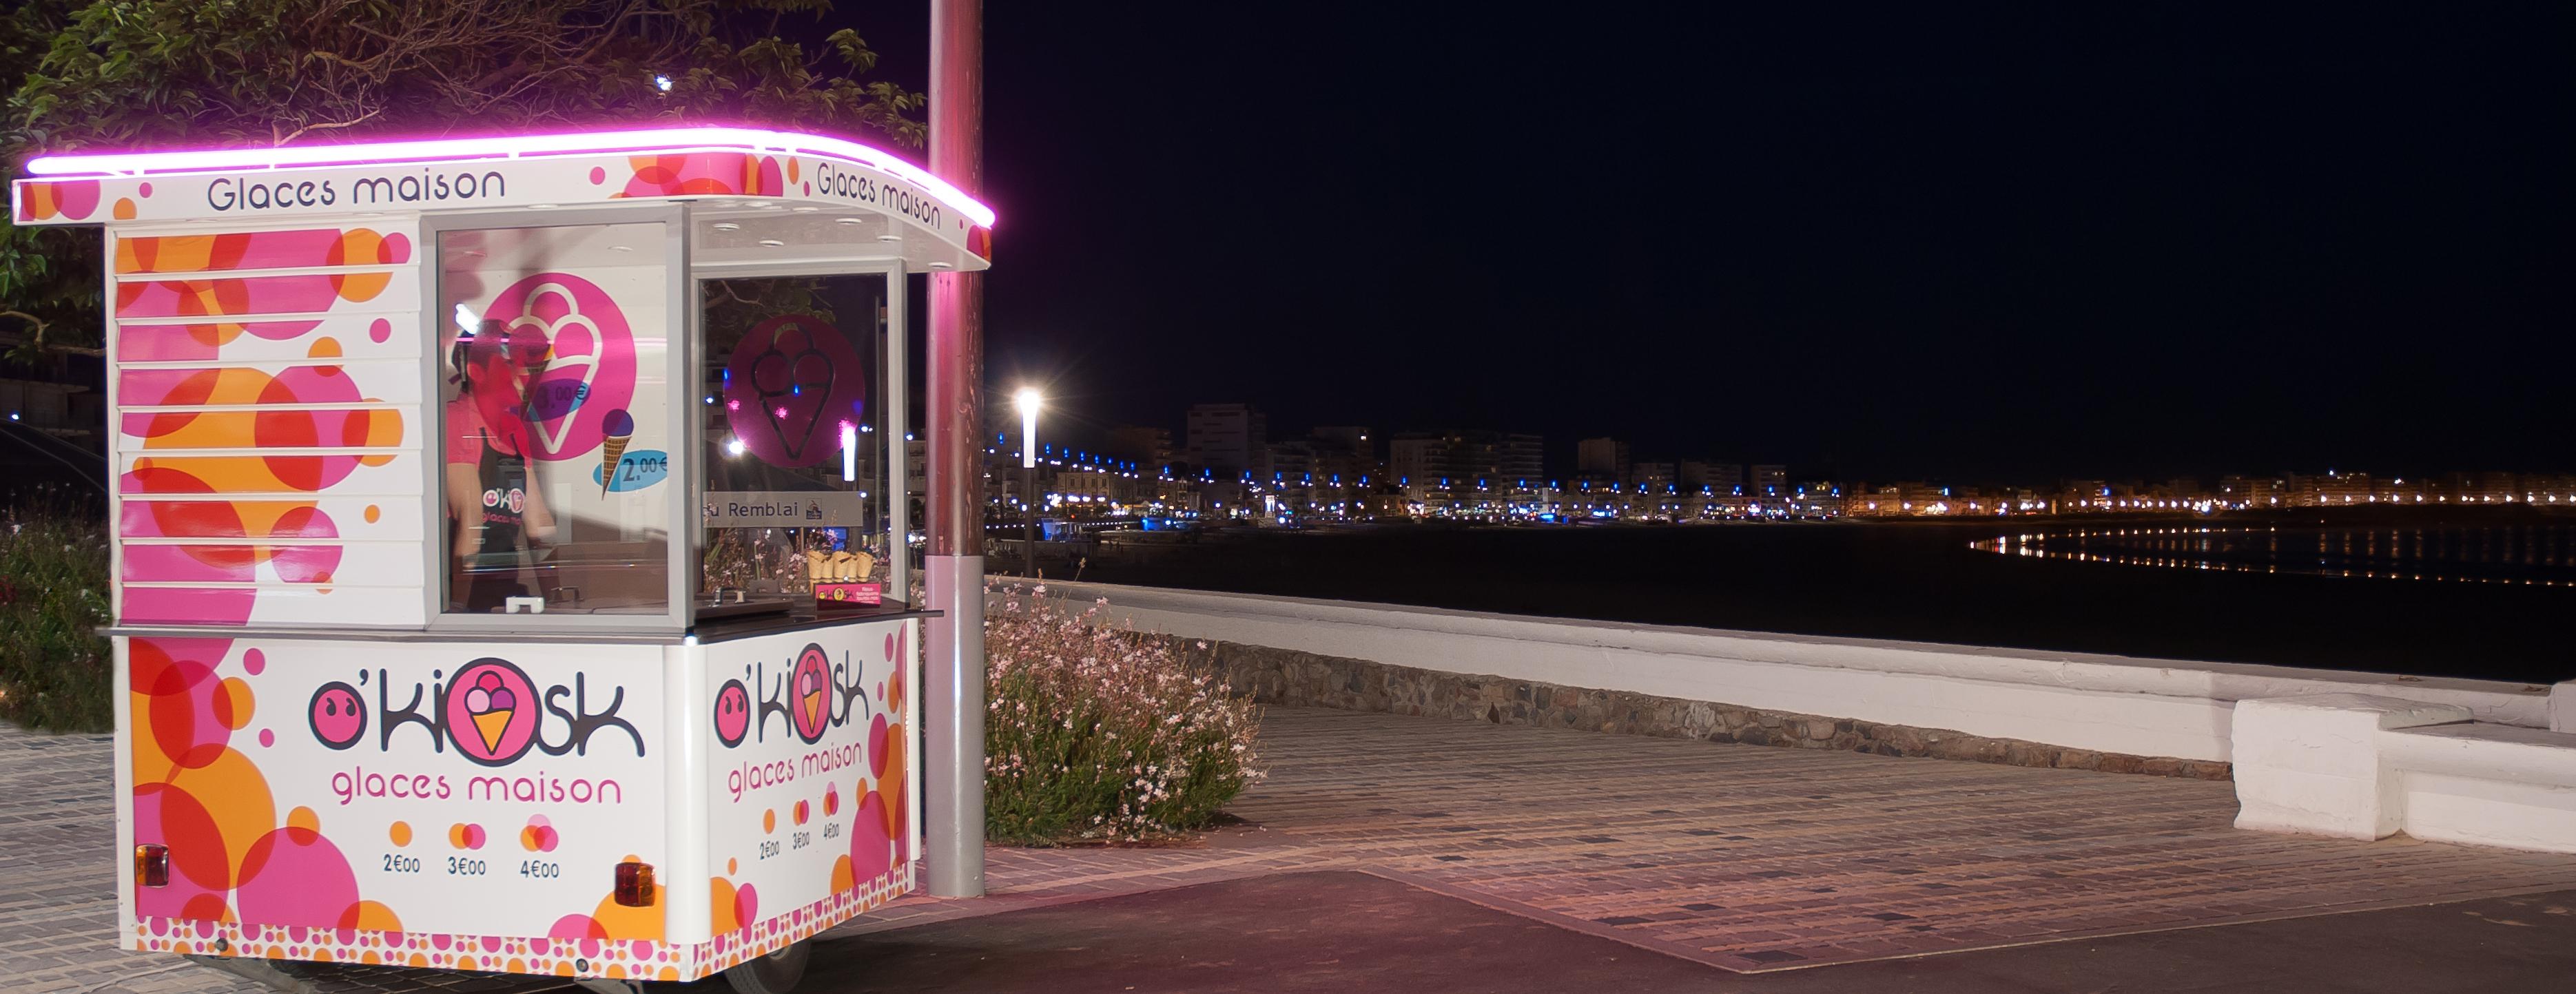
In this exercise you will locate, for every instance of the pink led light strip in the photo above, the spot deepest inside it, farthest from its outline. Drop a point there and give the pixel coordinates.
(505, 147)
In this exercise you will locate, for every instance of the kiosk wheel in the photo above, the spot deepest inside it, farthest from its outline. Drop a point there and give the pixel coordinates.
(776, 973)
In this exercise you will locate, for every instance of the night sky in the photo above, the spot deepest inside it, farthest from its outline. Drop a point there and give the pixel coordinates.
(1911, 242)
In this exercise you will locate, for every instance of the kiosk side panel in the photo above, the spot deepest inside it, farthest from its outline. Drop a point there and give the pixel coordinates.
(456, 805)
(268, 417)
(808, 821)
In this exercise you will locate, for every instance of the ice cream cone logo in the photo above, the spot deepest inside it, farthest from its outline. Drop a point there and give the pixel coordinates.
(811, 689)
(575, 342)
(788, 386)
(491, 712)
(618, 428)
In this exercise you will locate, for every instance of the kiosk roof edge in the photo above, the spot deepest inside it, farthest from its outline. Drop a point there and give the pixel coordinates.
(504, 147)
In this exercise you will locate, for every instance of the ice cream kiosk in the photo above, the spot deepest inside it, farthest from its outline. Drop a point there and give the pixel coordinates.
(509, 545)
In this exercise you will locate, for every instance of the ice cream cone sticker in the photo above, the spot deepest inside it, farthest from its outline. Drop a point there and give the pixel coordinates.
(812, 687)
(490, 705)
(617, 429)
(810, 697)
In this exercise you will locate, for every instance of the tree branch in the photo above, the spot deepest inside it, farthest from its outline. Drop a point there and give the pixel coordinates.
(328, 125)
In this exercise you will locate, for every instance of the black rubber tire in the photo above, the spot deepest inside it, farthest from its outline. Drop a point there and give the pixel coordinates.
(776, 973)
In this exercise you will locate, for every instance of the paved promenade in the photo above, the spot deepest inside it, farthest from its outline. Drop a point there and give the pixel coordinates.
(1739, 858)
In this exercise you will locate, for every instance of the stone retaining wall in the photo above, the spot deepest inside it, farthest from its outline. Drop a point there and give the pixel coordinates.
(1304, 679)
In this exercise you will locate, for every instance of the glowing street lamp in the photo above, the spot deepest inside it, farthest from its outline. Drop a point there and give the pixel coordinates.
(1029, 400)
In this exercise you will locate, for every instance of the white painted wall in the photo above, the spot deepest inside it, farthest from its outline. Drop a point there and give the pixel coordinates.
(2148, 707)
(2311, 765)
(2359, 766)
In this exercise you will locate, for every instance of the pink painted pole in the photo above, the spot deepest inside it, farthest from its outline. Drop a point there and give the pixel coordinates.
(954, 574)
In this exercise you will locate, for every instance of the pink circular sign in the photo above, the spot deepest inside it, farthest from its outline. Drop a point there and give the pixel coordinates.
(810, 703)
(491, 711)
(573, 336)
(790, 385)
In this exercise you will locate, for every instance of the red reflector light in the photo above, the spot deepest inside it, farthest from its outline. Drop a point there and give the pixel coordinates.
(635, 884)
(152, 865)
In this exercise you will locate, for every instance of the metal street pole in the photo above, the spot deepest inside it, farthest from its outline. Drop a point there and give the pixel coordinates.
(1029, 401)
(954, 691)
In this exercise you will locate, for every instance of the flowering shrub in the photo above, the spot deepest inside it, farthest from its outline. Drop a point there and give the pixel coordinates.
(53, 593)
(1098, 733)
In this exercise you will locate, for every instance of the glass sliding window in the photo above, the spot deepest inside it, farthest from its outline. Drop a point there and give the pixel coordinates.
(556, 420)
(795, 443)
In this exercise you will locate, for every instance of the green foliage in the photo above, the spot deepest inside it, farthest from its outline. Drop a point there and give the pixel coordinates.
(53, 595)
(274, 72)
(1096, 733)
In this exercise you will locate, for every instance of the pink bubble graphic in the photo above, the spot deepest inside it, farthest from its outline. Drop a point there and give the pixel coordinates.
(294, 876)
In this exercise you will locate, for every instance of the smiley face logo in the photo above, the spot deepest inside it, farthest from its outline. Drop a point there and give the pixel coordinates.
(337, 715)
(733, 713)
(810, 707)
(491, 711)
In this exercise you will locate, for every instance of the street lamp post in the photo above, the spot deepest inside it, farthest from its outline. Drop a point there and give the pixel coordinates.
(1030, 401)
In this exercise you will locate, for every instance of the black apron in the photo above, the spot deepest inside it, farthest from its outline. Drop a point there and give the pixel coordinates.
(492, 572)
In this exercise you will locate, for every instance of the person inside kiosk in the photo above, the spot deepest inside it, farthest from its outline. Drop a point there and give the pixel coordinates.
(497, 512)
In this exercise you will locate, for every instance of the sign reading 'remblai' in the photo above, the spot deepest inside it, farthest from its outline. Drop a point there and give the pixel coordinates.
(784, 509)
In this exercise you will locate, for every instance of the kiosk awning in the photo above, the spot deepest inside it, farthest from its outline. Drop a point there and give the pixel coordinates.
(762, 196)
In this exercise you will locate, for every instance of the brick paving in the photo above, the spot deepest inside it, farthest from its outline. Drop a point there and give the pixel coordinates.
(1743, 857)
(1756, 858)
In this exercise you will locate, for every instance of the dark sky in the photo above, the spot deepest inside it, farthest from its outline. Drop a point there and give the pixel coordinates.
(1924, 240)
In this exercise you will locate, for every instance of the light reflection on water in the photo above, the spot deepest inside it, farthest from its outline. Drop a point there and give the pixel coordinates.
(2535, 555)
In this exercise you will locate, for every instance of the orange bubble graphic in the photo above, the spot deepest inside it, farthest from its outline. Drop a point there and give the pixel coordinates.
(303, 819)
(400, 833)
(233, 703)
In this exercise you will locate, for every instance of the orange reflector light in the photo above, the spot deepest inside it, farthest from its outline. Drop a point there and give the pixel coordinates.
(152, 865)
(635, 884)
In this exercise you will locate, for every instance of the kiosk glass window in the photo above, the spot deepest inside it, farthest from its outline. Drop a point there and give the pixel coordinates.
(796, 444)
(555, 419)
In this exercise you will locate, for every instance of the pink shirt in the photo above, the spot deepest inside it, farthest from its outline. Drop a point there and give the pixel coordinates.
(465, 430)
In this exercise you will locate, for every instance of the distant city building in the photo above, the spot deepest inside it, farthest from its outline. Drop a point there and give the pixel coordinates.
(1229, 439)
(1501, 460)
(1347, 438)
(1417, 460)
(1768, 481)
(1345, 455)
(1605, 458)
(1716, 477)
(1651, 477)
(1291, 462)
(1149, 448)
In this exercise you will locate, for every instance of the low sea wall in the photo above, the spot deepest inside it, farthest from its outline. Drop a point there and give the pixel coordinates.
(2025, 707)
